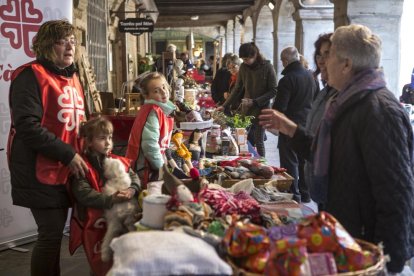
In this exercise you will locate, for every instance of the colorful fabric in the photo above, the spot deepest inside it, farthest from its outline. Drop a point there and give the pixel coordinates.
(227, 203)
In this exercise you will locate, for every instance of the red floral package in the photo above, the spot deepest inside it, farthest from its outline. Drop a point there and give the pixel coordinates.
(257, 262)
(288, 257)
(325, 234)
(245, 239)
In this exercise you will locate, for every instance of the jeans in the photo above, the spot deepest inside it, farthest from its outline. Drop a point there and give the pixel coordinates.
(294, 165)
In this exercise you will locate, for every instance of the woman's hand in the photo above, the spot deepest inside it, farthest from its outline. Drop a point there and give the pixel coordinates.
(78, 166)
(220, 108)
(272, 119)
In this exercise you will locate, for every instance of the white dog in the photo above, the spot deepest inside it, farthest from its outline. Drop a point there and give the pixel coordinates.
(122, 216)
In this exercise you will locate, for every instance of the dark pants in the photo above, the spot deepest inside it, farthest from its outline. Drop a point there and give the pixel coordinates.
(294, 165)
(46, 252)
(256, 137)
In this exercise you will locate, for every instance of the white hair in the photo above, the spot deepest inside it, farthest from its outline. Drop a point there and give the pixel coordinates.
(290, 54)
(359, 44)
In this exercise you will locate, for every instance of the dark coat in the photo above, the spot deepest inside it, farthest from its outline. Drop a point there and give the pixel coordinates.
(220, 85)
(295, 93)
(87, 197)
(407, 95)
(31, 139)
(257, 82)
(371, 179)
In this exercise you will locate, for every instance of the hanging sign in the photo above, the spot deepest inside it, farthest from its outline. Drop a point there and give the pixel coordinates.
(136, 26)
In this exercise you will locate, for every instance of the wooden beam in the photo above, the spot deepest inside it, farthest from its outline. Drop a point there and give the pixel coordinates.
(201, 9)
(187, 23)
(201, 2)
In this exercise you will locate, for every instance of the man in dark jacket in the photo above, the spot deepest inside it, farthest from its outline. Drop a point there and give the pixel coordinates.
(294, 99)
(364, 147)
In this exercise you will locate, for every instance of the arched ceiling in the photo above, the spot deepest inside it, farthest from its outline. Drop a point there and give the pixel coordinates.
(177, 13)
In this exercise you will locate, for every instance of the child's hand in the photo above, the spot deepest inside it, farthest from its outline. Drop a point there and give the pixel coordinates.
(128, 193)
(119, 197)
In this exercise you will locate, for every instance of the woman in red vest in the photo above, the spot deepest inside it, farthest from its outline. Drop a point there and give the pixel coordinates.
(47, 105)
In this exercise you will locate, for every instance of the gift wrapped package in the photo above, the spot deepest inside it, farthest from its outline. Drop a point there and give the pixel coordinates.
(325, 234)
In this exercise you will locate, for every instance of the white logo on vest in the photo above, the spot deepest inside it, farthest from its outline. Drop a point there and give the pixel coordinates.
(73, 109)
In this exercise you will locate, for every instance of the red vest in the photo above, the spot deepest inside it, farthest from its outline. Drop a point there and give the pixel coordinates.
(91, 231)
(134, 143)
(63, 110)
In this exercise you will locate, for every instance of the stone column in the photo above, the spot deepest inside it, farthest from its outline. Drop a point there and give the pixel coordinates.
(383, 17)
(237, 35)
(310, 23)
(230, 36)
(264, 33)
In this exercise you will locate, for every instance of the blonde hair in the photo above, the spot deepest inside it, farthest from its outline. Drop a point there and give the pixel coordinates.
(49, 33)
(93, 128)
(143, 81)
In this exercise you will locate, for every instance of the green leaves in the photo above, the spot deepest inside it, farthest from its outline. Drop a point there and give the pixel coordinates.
(239, 121)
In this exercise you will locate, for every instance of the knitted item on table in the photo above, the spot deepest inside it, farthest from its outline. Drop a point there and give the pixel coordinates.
(258, 168)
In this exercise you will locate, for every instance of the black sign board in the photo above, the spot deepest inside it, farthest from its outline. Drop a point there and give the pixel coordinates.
(136, 26)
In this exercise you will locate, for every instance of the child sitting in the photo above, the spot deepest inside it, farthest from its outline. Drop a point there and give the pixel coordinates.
(151, 133)
(87, 223)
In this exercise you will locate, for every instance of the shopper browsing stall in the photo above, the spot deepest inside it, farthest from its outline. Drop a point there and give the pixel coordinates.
(254, 88)
(364, 147)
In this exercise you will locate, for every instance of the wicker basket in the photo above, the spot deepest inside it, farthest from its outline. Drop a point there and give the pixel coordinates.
(194, 125)
(376, 269)
(284, 184)
(237, 271)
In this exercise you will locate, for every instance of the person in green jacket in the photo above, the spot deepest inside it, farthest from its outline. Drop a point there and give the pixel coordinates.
(255, 87)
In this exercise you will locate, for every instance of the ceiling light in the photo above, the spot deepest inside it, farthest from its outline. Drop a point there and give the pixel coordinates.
(194, 17)
(271, 6)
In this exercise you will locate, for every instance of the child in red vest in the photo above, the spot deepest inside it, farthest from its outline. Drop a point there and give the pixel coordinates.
(151, 133)
(88, 225)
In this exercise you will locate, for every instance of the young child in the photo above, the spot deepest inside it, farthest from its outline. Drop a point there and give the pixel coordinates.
(87, 223)
(151, 133)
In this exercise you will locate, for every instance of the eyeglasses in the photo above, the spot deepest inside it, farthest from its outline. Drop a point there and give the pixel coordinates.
(65, 42)
(324, 56)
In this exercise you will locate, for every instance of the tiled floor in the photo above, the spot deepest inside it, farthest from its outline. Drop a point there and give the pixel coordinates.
(14, 263)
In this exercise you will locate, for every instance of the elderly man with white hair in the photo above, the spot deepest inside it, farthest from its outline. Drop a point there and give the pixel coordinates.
(294, 97)
(364, 147)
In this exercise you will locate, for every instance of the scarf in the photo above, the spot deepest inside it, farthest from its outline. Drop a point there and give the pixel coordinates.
(369, 79)
(233, 79)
